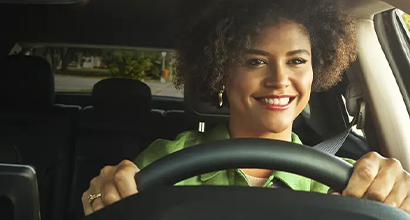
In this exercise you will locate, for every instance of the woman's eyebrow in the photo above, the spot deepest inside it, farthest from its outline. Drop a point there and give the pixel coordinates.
(257, 52)
(294, 52)
(264, 53)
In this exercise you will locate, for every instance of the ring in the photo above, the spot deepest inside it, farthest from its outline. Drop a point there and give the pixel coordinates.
(92, 197)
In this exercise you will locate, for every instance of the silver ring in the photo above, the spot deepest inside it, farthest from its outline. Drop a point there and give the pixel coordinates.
(92, 197)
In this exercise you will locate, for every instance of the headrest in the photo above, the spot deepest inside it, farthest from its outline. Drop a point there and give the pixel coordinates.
(26, 83)
(204, 109)
(122, 95)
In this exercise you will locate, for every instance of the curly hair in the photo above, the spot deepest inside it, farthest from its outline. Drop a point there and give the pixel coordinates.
(211, 42)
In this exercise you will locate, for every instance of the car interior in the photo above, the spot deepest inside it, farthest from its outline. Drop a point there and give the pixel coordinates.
(67, 137)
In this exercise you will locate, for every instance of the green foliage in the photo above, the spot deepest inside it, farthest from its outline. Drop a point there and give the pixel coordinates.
(127, 63)
(406, 19)
(155, 71)
(120, 62)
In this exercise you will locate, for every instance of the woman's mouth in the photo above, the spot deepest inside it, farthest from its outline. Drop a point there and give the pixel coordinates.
(276, 102)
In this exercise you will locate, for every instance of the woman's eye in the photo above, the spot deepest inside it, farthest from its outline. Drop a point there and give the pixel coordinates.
(257, 62)
(297, 61)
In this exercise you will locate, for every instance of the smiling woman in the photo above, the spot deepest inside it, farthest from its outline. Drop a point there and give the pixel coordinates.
(262, 59)
(281, 63)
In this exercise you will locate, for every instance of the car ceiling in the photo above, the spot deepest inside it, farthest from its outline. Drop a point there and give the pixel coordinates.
(130, 23)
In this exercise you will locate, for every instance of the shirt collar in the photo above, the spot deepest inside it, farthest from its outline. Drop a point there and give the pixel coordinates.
(221, 132)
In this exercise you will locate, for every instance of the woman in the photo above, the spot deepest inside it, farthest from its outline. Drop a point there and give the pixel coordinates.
(265, 58)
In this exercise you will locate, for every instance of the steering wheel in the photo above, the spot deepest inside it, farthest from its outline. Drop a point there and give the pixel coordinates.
(158, 199)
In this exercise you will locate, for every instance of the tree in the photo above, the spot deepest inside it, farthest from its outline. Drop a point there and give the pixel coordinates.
(127, 63)
(406, 19)
(67, 55)
(64, 54)
(155, 70)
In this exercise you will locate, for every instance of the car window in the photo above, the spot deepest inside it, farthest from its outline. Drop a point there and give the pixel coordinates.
(405, 19)
(399, 42)
(78, 69)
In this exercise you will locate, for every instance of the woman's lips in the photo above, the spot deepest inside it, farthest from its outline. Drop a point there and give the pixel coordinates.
(276, 102)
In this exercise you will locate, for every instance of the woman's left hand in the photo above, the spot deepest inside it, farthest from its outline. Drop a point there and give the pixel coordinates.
(381, 179)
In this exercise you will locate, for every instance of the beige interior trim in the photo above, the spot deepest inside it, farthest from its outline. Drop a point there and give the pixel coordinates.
(365, 9)
(392, 121)
(403, 5)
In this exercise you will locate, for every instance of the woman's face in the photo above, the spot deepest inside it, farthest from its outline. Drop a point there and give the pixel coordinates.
(273, 85)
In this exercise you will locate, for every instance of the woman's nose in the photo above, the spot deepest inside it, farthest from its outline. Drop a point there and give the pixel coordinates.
(277, 77)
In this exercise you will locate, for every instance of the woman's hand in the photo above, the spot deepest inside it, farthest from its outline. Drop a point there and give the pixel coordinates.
(113, 184)
(380, 179)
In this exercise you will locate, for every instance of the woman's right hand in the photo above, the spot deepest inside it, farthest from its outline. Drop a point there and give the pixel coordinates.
(113, 184)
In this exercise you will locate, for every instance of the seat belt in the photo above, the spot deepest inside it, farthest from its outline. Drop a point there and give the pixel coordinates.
(333, 145)
(330, 146)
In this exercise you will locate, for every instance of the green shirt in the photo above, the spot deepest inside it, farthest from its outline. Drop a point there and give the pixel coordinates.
(235, 177)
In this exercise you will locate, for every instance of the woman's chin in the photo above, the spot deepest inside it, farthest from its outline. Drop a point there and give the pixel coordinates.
(277, 128)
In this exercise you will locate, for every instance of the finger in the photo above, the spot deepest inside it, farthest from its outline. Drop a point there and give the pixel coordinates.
(333, 192)
(365, 171)
(405, 206)
(107, 172)
(97, 204)
(124, 179)
(110, 193)
(384, 181)
(94, 187)
(86, 205)
(397, 195)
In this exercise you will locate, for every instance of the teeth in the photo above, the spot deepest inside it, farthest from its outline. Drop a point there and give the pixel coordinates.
(276, 101)
(284, 101)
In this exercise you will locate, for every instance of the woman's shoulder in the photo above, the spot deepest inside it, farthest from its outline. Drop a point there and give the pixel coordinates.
(162, 147)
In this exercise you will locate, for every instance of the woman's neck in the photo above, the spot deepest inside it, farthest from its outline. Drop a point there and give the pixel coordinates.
(260, 173)
(238, 130)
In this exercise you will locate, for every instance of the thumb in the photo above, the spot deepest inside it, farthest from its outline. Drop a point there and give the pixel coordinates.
(333, 192)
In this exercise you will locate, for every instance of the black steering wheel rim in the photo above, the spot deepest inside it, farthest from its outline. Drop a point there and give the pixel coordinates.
(158, 200)
(246, 153)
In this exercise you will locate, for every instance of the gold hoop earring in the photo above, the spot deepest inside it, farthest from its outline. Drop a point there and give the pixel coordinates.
(220, 95)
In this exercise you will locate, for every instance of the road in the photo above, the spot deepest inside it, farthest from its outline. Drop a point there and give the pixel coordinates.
(79, 84)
